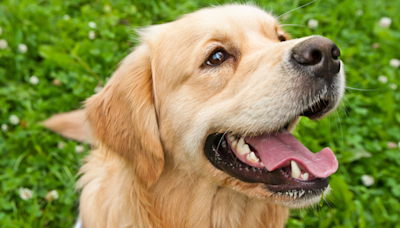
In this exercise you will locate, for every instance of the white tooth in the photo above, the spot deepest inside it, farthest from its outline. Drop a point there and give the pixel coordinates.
(252, 157)
(246, 149)
(262, 164)
(234, 143)
(295, 169)
(242, 148)
(240, 143)
(305, 176)
(231, 137)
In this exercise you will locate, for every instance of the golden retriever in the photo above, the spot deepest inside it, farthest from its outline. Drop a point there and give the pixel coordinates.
(193, 129)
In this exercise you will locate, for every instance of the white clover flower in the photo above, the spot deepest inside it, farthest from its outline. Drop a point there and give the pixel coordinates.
(25, 193)
(393, 86)
(383, 79)
(52, 195)
(312, 24)
(359, 12)
(92, 35)
(3, 44)
(98, 89)
(1, 31)
(367, 180)
(92, 24)
(79, 149)
(34, 80)
(4, 127)
(22, 48)
(61, 145)
(392, 145)
(394, 63)
(66, 17)
(385, 22)
(14, 120)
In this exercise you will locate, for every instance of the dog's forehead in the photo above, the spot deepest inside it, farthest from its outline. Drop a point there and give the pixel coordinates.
(231, 19)
(235, 25)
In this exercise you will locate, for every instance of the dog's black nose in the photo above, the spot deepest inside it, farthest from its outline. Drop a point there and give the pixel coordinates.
(319, 56)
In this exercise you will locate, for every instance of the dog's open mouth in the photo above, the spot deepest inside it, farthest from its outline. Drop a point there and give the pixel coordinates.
(277, 159)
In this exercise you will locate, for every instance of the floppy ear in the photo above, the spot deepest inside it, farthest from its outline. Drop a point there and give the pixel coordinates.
(123, 117)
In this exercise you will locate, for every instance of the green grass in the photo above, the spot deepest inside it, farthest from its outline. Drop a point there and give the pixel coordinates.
(61, 50)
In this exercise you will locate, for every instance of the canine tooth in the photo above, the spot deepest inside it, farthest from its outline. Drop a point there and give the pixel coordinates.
(240, 142)
(295, 169)
(241, 149)
(234, 143)
(305, 176)
(252, 157)
(231, 137)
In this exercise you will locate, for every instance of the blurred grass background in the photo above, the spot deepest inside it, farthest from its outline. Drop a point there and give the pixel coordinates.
(55, 53)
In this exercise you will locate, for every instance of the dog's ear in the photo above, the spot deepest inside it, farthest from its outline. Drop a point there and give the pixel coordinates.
(70, 125)
(123, 119)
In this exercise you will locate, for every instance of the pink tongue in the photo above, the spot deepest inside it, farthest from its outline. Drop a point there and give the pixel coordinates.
(277, 149)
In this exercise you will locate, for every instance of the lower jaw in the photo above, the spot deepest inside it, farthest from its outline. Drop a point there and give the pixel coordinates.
(277, 181)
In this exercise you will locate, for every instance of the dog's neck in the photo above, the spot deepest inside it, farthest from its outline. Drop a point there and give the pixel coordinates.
(183, 199)
(178, 199)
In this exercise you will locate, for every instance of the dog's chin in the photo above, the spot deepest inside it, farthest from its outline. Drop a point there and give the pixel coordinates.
(275, 181)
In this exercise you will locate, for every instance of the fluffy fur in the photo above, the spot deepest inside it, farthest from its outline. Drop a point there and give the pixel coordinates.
(150, 122)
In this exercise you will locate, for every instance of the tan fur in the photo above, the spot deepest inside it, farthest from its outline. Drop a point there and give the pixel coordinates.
(151, 120)
(70, 125)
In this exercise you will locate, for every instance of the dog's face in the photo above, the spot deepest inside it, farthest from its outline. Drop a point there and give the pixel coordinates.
(227, 85)
(228, 73)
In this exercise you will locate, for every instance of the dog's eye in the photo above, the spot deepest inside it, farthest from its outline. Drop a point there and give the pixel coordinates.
(217, 57)
(282, 38)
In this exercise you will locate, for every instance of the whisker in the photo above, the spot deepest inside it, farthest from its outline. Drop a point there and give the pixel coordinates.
(293, 25)
(296, 8)
(340, 122)
(346, 110)
(347, 87)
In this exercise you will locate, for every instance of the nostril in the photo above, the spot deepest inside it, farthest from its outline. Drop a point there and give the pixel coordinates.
(335, 52)
(316, 57)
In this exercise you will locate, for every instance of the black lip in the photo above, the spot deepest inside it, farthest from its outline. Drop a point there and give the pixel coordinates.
(318, 109)
(278, 180)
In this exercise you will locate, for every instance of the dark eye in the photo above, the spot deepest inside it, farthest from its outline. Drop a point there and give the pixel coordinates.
(282, 38)
(216, 58)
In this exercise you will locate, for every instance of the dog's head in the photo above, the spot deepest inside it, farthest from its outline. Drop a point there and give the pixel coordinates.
(218, 92)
